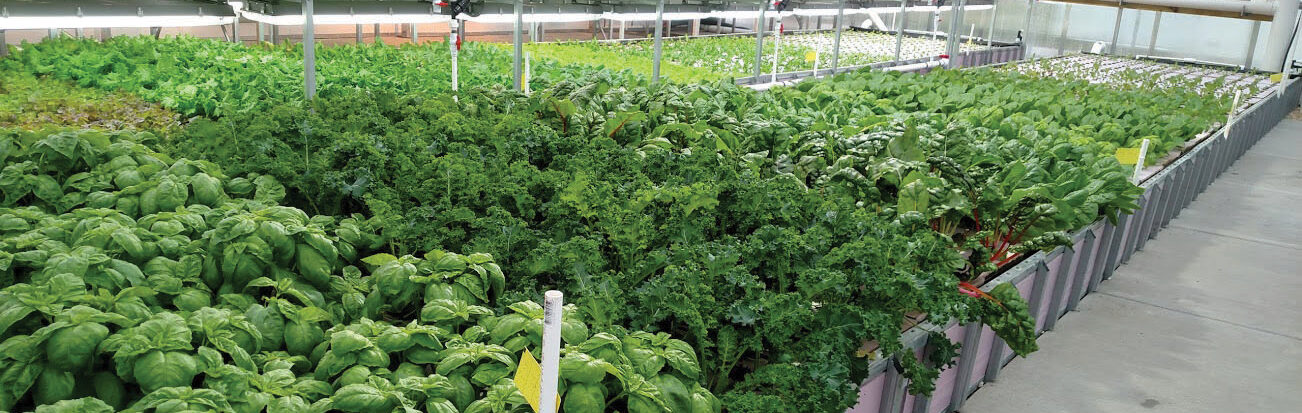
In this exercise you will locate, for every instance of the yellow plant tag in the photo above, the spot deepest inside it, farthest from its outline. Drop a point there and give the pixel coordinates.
(811, 56)
(1276, 77)
(1128, 156)
(528, 378)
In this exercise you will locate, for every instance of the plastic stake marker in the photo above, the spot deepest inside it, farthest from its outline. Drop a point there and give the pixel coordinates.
(1229, 118)
(1139, 164)
(815, 53)
(551, 348)
(1283, 82)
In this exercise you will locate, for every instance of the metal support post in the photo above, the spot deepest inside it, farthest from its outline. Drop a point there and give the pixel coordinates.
(261, 35)
(696, 27)
(990, 34)
(309, 51)
(105, 34)
(275, 34)
(621, 29)
(955, 37)
(1152, 38)
(454, 44)
(1134, 33)
(935, 19)
(1066, 24)
(659, 41)
(235, 29)
(4, 47)
(1116, 30)
(836, 42)
(517, 41)
(377, 33)
(759, 42)
(415, 35)
(1252, 44)
(899, 33)
(777, 47)
(1026, 25)
(358, 30)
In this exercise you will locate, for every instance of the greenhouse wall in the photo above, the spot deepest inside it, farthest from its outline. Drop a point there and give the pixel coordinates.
(1063, 28)
(1053, 283)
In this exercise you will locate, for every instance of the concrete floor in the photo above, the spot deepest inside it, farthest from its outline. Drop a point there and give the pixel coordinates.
(1207, 318)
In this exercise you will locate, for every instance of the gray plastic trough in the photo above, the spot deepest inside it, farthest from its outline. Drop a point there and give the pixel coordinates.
(1053, 283)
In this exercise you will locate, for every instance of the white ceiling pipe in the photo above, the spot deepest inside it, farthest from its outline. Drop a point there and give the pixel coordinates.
(1281, 34)
(1262, 7)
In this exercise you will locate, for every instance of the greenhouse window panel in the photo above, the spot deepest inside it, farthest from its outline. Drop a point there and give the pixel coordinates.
(25, 14)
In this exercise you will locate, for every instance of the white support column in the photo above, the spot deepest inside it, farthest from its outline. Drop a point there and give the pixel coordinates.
(1281, 35)
(990, 34)
(759, 42)
(659, 42)
(454, 44)
(517, 42)
(415, 35)
(309, 51)
(1152, 38)
(899, 33)
(1116, 30)
(1066, 24)
(1252, 44)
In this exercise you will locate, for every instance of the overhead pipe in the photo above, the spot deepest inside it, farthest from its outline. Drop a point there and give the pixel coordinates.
(1281, 35)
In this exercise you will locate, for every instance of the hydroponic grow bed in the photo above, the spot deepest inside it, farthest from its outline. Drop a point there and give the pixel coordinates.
(1054, 282)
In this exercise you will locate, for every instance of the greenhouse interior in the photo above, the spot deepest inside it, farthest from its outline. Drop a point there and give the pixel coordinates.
(686, 206)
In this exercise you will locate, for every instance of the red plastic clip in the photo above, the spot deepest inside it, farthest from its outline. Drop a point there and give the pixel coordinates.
(944, 56)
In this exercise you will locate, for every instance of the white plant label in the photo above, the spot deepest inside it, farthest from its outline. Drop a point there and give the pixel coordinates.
(1139, 164)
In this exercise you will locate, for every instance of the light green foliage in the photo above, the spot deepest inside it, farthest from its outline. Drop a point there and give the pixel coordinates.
(29, 102)
(761, 238)
(232, 302)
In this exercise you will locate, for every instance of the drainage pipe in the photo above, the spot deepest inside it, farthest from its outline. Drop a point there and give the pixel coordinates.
(919, 66)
